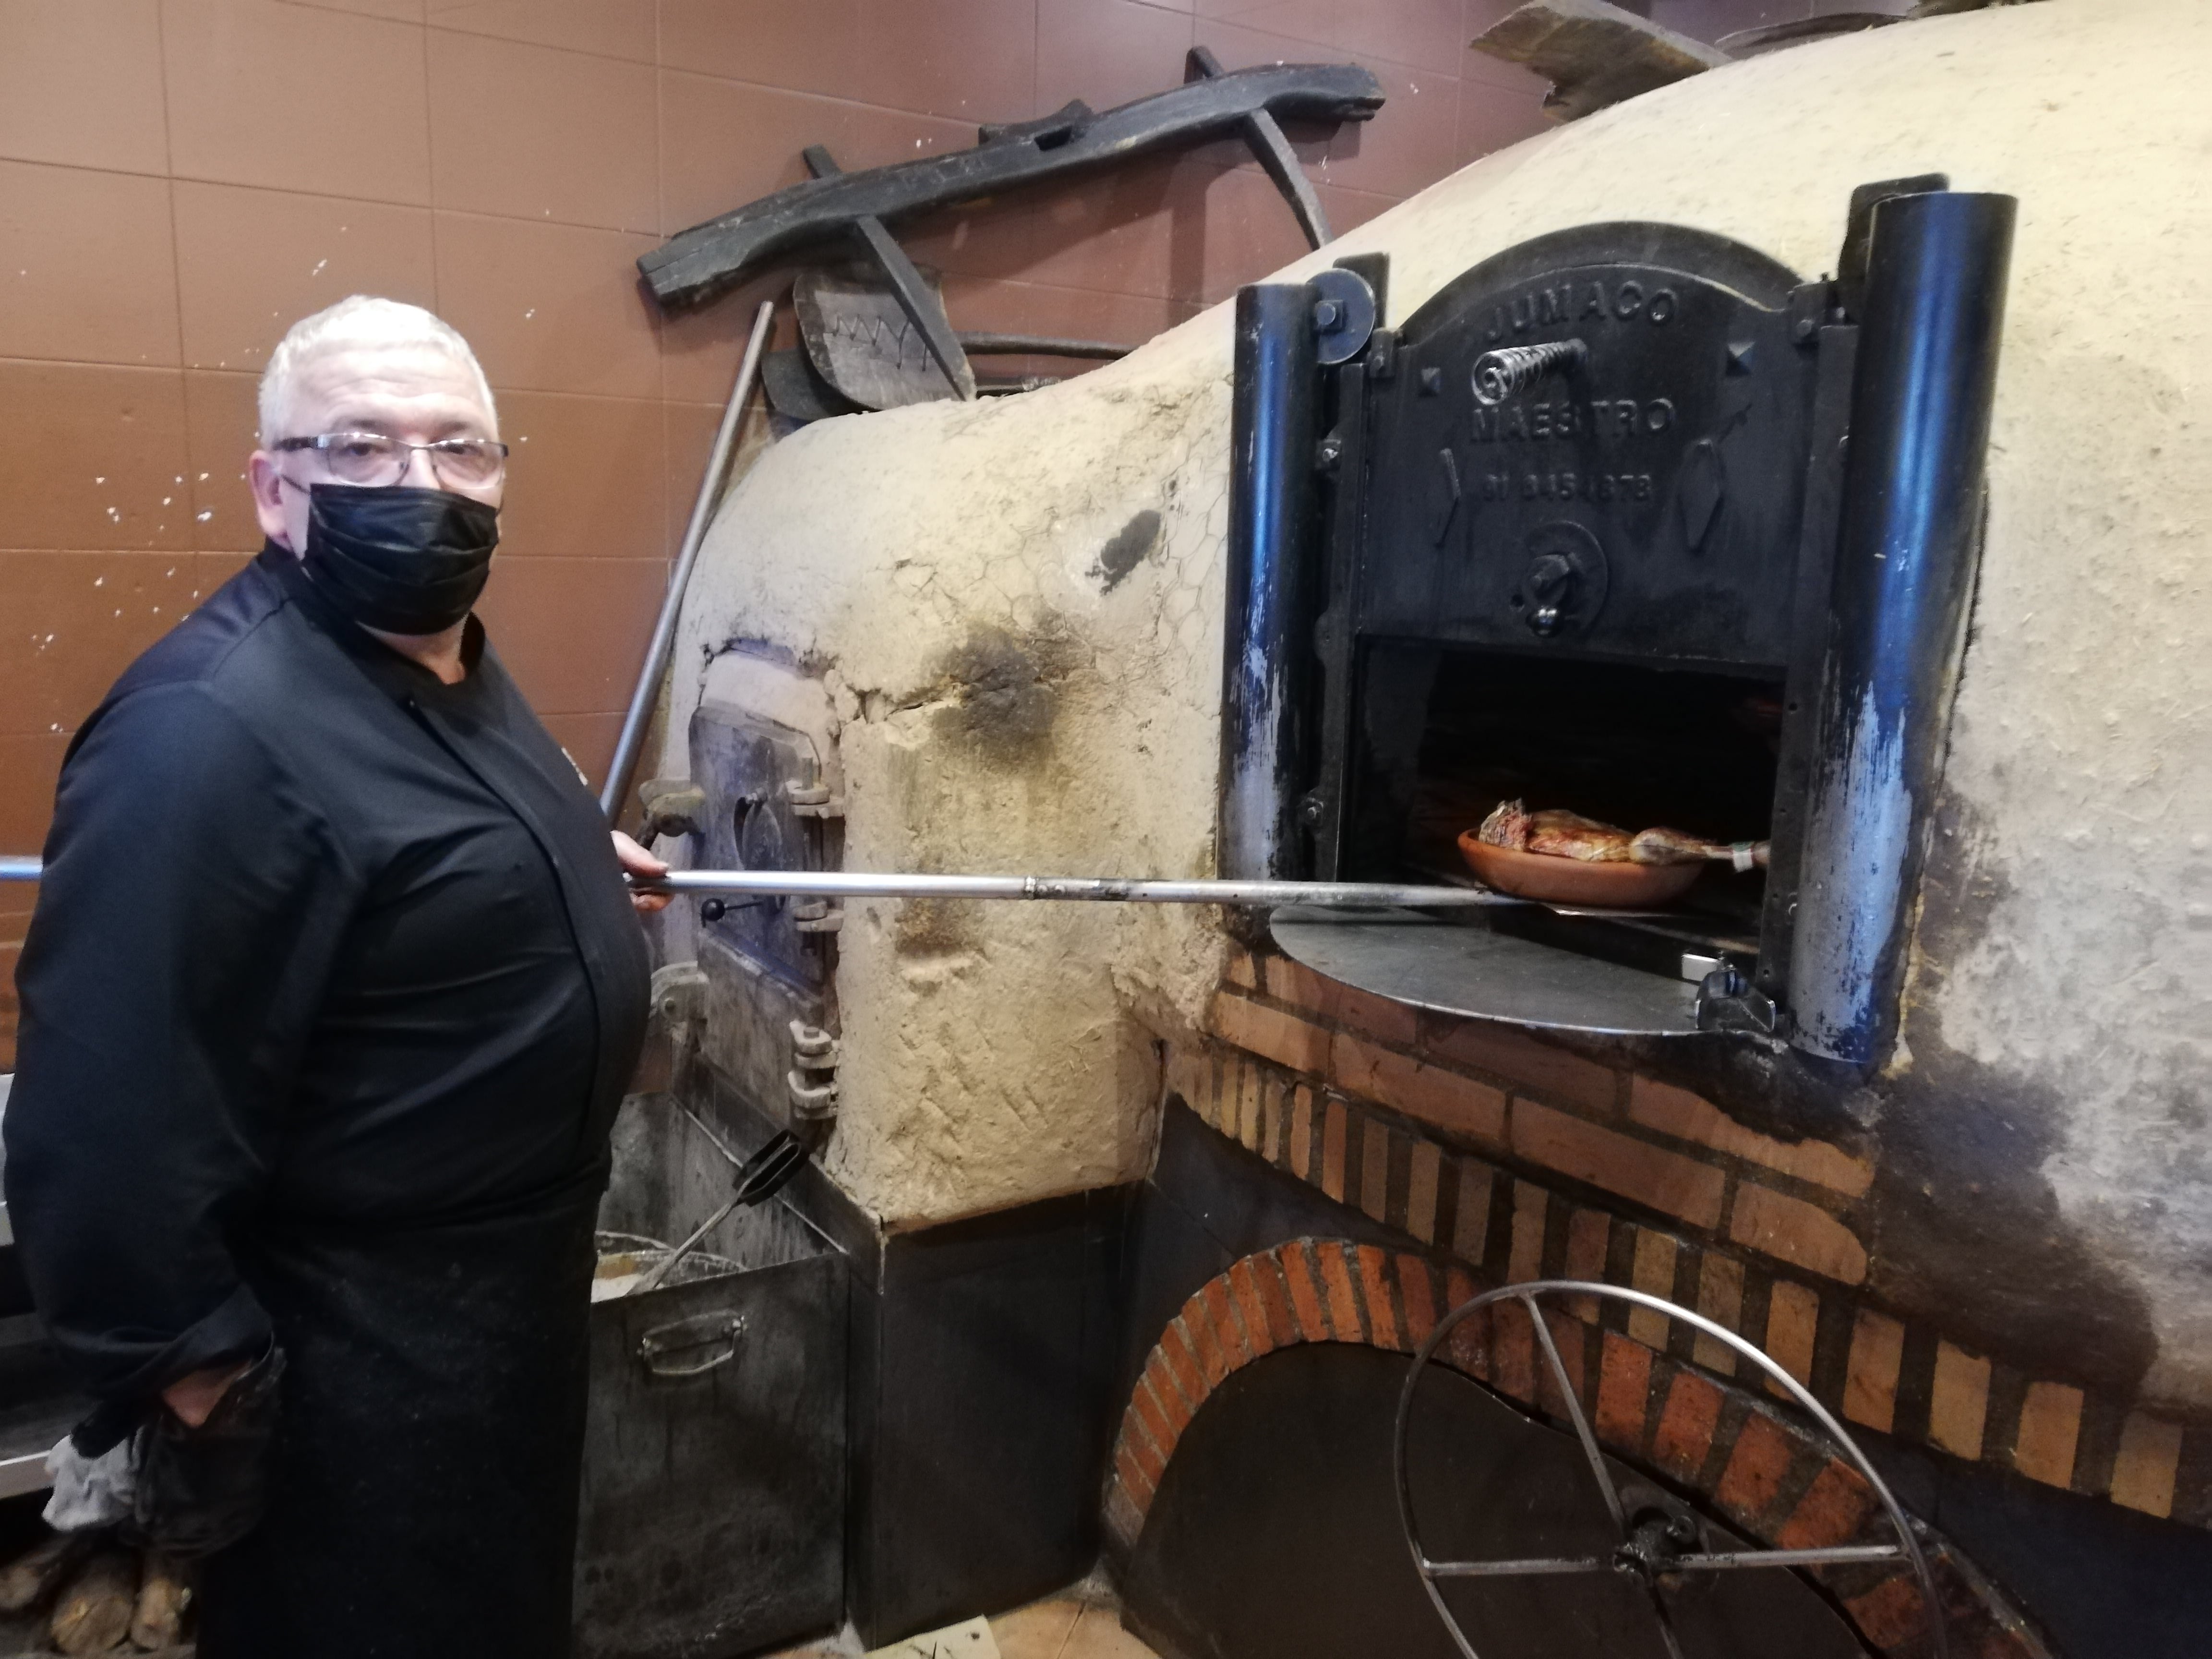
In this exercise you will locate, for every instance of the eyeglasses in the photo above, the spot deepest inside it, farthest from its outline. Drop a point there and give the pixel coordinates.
(370, 457)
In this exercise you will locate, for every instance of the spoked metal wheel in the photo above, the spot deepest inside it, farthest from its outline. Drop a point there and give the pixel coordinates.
(1653, 1545)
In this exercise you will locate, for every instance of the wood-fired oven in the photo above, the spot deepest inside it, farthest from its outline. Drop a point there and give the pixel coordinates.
(1709, 549)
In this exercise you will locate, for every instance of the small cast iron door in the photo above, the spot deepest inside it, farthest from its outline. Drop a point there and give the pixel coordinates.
(765, 801)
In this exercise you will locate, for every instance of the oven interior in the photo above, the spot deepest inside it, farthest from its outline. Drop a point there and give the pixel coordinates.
(1624, 743)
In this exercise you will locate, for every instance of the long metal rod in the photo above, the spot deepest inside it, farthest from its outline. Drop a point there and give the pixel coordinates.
(840, 884)
(837, 884)
(1569, 1394)
(1547, 1566)
(667, 1263)
(642, 700)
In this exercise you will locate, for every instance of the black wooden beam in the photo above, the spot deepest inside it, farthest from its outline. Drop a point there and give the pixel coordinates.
(1263, 134)
(695, 265)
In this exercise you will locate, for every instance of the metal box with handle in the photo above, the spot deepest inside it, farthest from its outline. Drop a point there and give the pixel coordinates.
(713, 1496)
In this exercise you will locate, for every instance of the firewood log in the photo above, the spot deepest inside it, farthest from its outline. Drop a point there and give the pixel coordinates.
(30, 1578)
(95, 1609)
(163, 1595)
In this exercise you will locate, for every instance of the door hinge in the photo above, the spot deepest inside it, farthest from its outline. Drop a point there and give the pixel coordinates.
(811, 1081)
(813, 800)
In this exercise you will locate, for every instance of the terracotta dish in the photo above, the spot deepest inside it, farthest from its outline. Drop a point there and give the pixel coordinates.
(1574, 881)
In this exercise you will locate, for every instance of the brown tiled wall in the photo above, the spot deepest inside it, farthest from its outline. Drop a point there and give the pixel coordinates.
(180, 179)
(1527, 1162)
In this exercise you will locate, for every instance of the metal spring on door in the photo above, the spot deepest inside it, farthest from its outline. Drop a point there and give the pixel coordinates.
(1501, 373)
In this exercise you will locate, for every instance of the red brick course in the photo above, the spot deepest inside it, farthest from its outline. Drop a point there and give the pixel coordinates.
(1159, 1385)
(1198, 1331)
(1513, 1351)
(1417, 1293)
(1228, 1330)
(1164, 1433)
(1259, 1337)
(1756, 1470)
(1459, 1105)
(1150, 1463)
(1686, 1116)
(1523, 1060)
(1833, 1508)
(1635, 1170)
(1305, 1292)
(1892, 1614)
(1624, 1385)
(1774, 1224)
(1340, 1004)
(1467, 1349)
(1134, 1480)
(1686, 1422)
(1337, 1274)
(1275, 1297)
(1567, 1336)
(1375, 1293)
(1290, 1041)
(1183, 1364)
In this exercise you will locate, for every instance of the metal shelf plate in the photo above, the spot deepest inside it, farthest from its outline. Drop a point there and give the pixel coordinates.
(1462, 967)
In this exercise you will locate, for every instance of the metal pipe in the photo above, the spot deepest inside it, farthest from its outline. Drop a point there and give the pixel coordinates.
(839, 883)
(647, 695)
(1267, 629)
(1906, 556)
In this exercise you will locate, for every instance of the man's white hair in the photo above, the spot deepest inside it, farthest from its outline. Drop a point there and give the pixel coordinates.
(359, 319)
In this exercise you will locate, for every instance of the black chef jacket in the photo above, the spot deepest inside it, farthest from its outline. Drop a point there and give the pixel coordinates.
(331, 995)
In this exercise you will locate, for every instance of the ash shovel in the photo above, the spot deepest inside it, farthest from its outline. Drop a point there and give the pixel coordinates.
(758, 1178)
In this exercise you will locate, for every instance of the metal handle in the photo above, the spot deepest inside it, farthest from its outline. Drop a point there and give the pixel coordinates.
(841, 883)
(701, 1331)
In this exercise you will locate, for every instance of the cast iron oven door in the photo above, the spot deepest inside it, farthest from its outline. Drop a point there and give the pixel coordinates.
(1597, 543)
(1593, 445)
(1567, 571)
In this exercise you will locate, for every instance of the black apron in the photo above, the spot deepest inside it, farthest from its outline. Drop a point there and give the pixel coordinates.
(428, 1452)
(328, 1001)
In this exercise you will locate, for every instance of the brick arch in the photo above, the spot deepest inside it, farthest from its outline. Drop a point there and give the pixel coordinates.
(1728, 1446)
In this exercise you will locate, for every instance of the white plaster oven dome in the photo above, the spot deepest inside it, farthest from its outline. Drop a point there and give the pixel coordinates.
(1013, 696)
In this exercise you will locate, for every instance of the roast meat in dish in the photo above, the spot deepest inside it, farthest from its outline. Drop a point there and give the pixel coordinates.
(1570, 835)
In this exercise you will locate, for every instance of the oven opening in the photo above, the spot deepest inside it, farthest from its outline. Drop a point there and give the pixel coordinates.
(1630, 746)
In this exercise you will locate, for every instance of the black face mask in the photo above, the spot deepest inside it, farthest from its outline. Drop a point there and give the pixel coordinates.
(399, 560)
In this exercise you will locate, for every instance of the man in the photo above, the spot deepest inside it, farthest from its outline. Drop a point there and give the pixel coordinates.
(330, 994)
